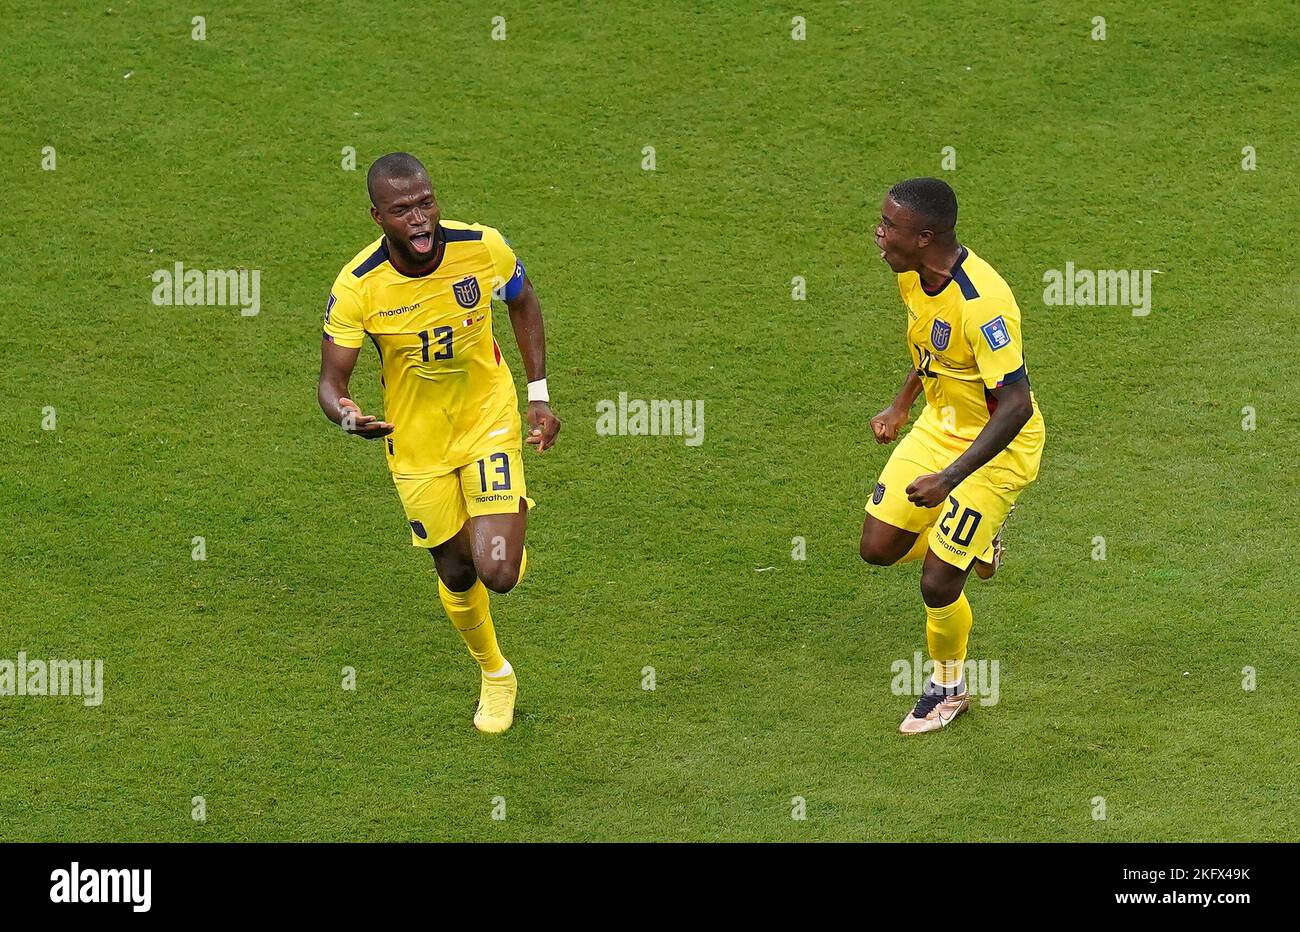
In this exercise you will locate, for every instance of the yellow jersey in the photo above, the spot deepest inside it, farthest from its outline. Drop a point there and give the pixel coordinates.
(445, 384)
(964, 340)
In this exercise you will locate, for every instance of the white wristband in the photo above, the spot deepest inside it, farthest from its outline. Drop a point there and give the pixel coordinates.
(537, 391)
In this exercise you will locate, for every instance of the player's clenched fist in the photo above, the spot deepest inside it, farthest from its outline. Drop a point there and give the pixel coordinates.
(929, 490)
(363, 425)
(887, 424)
(543, 425)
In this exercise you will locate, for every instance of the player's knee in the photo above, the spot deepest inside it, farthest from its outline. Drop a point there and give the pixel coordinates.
(500, 576)
(456, 575)
(876, 555)
(937, 591)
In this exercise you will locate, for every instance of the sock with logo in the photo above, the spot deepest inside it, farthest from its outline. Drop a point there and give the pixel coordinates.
(469, 615)
(946, 632)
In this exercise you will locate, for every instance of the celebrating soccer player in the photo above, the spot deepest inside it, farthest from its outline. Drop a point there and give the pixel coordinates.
(423, 294)
(951, 482)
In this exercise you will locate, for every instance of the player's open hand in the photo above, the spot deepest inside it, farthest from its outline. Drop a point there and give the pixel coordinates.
(363, 425)
(929, 490)
(887, 424)
(543, 425)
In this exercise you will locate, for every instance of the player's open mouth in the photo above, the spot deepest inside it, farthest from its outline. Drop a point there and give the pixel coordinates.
(422, 242)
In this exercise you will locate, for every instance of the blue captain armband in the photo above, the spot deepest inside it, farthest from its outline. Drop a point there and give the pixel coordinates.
(513, 288)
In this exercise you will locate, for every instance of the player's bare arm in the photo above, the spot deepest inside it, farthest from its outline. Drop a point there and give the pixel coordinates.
(1014, 409)
(890, 421)
(526, 319)
(336, 364)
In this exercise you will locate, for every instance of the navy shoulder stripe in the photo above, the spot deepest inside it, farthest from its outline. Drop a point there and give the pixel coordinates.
(963, 280)
(1012, 377)
(373, 261)
(461, 236)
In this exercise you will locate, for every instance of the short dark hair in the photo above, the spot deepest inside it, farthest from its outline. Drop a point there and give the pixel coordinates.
(932, 200)
(390, 166)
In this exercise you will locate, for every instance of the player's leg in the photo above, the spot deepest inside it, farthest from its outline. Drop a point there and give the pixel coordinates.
(465, 599)
(454, 559)
(948, 623)
(894, 530)
(495, 497)
(499, 554)
(440, 523)
(471, 616)
(965, 530)
(948, 618)
(884, 545)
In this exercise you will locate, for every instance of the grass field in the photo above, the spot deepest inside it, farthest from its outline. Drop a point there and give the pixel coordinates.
(1120, 678)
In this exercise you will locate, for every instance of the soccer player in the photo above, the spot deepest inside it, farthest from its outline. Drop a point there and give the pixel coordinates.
(952, 480)
(422, 293)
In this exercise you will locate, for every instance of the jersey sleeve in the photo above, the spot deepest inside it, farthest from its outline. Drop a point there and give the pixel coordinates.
(344, 316)
(994, 337)
(507, 270)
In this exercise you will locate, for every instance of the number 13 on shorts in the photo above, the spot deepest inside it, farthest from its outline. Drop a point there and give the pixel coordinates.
(500, 473)
(494, 483)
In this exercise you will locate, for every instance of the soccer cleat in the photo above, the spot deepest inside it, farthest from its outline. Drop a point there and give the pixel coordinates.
(496, 703)
(934, 710)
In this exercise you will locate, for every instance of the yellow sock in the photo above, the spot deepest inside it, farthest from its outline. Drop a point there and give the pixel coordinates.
(918, 549)
(946, 632)
(469, 615)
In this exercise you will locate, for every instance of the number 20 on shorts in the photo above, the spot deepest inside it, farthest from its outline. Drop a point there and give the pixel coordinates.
(966, 525)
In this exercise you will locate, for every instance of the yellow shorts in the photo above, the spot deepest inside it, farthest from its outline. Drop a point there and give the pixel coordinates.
(963, 527)
(437, 507)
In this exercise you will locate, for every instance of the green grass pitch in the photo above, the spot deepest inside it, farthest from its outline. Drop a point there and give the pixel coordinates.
(1120, 678)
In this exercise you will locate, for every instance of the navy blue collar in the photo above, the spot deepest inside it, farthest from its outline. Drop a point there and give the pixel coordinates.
(952, 273)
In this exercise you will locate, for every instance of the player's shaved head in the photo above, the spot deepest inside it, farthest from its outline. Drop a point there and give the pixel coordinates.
(395, 166)
(402, 203)
(917, 226)
(931, 201)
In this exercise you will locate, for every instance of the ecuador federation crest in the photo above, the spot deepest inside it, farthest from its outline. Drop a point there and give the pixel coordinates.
(467, 292)
(940, 334)
(878, 495)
